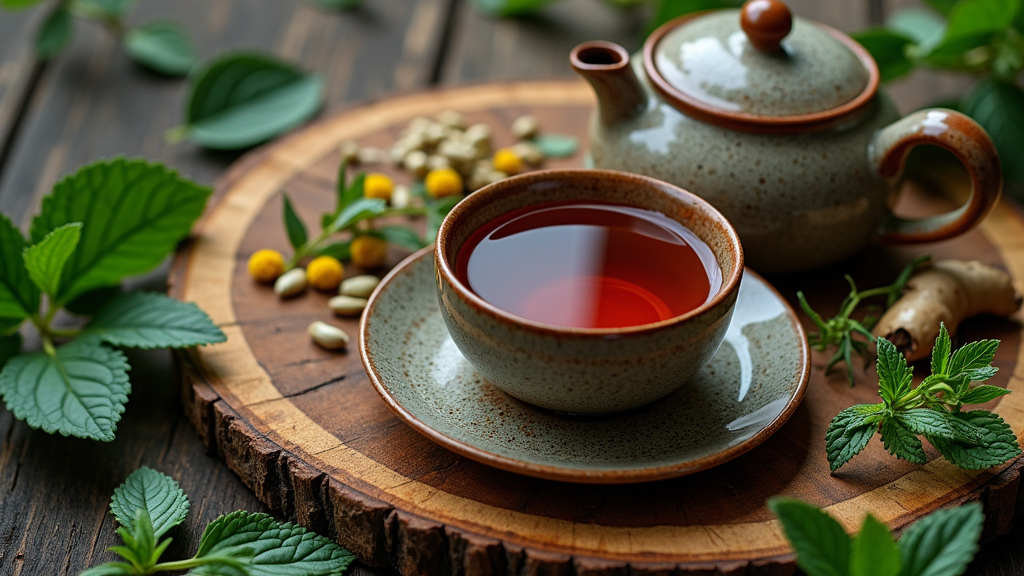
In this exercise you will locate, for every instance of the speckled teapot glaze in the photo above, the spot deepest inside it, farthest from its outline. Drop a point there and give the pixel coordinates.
(779, 123)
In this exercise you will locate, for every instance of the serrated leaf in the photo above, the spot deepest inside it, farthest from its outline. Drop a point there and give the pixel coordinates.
(997, 445)
(942, 543)
(901, 442)
(874, 553)
(941, 351)
(149, 320)
(557, 145)
(821, 545)
(161, 46)
(158, 494)
(19, 296)
(10, 346)
(973, 356)
(999, 107)
(939, 424)
(849, 432)
(244, 99)
(982, 394)
(894, 376)
(54, 34)
(45, 259)
(889, 49)
(358, 211)
(133, 214)
(278, 549)
(402, 236)
(81, 391)
(293, 225)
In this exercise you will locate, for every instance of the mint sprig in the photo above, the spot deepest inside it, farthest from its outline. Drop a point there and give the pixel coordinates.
(242, 543)
(110, 220)
(940, 544)
(972, 440)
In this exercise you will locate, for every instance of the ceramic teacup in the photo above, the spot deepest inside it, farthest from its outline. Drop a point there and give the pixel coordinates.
(585, 370)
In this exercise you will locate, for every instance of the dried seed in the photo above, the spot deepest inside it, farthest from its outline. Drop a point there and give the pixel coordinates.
(401, 196)
(434, 134)
(347, 305)
(290, 283)
(416, 162)
(359, 286)
(370, 155)
(525, 127)
(437, 162)
(330, 337)
(529, 152)
(452, 119)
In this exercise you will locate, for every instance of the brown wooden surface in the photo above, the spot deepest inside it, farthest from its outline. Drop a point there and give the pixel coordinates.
(92, 102)
(303, 427)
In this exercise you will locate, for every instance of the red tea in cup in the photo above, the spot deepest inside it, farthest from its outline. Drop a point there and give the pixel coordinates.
(589, 265)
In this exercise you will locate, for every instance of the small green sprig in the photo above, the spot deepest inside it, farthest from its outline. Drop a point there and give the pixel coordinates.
(940, 544)
(973, 440)
(149, 504)
(839, 331)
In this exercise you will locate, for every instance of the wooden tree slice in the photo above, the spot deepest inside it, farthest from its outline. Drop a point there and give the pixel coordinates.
(305, 430)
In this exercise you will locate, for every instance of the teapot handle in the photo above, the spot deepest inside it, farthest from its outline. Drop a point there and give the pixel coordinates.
(968, 142)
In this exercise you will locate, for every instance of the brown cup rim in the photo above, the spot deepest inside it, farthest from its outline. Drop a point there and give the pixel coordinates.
(730, 285)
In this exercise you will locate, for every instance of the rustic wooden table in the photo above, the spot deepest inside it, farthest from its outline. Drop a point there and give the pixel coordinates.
(92, 102)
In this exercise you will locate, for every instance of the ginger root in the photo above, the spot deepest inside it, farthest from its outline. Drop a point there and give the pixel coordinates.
(948, 291)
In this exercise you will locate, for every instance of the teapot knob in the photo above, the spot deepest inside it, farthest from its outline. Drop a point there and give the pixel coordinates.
(766, 23)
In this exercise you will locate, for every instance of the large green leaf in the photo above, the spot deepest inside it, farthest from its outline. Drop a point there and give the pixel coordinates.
(161, 46)
(821, 545)
(942, 543)
(54, 33)
(45, 260)
(999, 108)
(997, 445)
(19, 296)
(901, 442)
(148, 320)
(133, 215)
(973, 17)
(874, 553)
(278, 549)
(889, 50)
(80, 391)
(243, 99)
(158, 494)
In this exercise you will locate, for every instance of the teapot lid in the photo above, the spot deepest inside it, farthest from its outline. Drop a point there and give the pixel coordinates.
(760, 69)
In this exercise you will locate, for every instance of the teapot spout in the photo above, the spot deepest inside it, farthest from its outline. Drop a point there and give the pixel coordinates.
(620, 97)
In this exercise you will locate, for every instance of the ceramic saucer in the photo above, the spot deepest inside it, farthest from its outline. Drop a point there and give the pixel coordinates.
(747, 391)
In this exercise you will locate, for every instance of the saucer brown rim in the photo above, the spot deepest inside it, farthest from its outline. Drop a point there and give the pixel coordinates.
(729, 285)
(757, 122)
(562, 474)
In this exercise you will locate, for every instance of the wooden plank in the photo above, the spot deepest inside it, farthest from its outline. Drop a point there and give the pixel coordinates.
(19, 69)
(92, 102)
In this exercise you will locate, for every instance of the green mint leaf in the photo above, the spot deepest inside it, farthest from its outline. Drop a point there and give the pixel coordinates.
(158, 494)
(941, 351)
(997, 445)
(54, 34)
(111, 569)
(402, 236)
(982, 394)
(18, 4)
(901, 442)
(107, 8)
(924, 27)
(557, 145)
(999, 107)
(81, 391)
(277, 549)
(506, 8)
(140, 544)
(980, 374)
(850, 431)
(894, 376)
(244, 99)
(161, 46)
(940, 424)
(337, 250)
(148, 320)
(133, 215)
(942, 543)
(10, 346)
(889, 49)
(358, 211)
(19, 296)
(873, 552)
(297, 235)
(45, 260)
(973, 356)
(822, 546)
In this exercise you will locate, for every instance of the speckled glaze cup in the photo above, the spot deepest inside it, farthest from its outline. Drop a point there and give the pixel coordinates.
(585, 370)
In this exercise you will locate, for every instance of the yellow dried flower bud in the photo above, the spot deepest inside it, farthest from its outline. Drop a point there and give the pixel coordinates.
(443, 182)
(266, 265)
(378, 185)
(369, 251)
(507, 161)
(325, 273)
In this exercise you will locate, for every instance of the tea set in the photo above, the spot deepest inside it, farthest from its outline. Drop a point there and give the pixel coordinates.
(767, 137)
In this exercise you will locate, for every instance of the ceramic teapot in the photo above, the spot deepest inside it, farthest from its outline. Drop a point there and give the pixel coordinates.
(779, 123)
